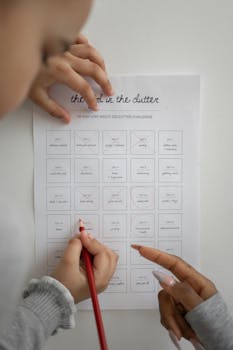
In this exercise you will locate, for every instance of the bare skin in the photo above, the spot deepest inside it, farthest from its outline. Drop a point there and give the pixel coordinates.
(82, 59)
(191, 289)
(53, 27)
(39, 46)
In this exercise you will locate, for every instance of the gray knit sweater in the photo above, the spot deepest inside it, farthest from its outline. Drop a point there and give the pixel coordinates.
(212, 323)
(48, 305)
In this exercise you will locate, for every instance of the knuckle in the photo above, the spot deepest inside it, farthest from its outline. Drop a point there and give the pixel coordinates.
(65, 260)
(102, 285)
(105, 80)
(161, 294)
(90, 49)
(67, 54)
(95, 69)
(59, 67)
(113, 254)
(190, 267)
(70, 240)
(185, 289)
(86, 89)
(178, 258)
(75, 242)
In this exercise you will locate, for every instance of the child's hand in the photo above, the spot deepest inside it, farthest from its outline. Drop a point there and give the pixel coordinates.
(71, 272)
(68, 68)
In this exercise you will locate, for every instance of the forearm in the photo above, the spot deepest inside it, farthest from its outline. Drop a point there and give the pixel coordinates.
(213, 324)
(46, 307)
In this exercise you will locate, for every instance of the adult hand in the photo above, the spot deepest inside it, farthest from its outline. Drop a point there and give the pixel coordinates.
(68, 68)
(191, 289)
(71, 272)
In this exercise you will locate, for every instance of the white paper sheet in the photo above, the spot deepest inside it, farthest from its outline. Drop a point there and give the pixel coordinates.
(130, 170)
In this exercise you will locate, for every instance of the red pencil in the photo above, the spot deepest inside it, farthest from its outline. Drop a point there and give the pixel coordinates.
(95, 302)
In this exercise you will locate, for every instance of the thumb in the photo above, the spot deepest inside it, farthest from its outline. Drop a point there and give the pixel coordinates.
(184, 294)
(90, 243)
(73, 251)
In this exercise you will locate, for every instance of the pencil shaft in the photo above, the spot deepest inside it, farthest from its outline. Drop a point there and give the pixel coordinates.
(95, 301)
(92, 287)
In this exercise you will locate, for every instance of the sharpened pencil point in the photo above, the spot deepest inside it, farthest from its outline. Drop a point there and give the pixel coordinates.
(81, 225)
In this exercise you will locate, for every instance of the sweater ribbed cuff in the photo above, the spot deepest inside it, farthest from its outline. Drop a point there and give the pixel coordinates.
(51, 302)
(212, 323)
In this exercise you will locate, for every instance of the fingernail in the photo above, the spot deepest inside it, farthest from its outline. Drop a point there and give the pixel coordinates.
(111, 92)
(95, 108)
(174, 339)
(196, 344)
(136, 246)
(66, 119)
(163, 278)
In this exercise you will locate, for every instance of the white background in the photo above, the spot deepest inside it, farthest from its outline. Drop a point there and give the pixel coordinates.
(152, 37)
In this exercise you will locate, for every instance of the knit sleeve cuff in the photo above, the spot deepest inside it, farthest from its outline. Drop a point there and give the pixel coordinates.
(51, 302)
(203, 308)
(212, 323)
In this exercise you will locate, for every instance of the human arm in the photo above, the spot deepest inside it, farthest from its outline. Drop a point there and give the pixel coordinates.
(49, 303)
(69, 68)
(192, 307)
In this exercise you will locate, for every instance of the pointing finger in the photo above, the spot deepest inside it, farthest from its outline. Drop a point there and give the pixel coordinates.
(182, 270)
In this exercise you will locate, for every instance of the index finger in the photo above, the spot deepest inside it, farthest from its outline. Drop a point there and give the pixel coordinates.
(182, 270)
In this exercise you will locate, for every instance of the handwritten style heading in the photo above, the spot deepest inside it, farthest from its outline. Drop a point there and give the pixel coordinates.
(121, 99)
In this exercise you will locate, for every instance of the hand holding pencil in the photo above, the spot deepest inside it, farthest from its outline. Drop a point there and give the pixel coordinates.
(71, 272)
